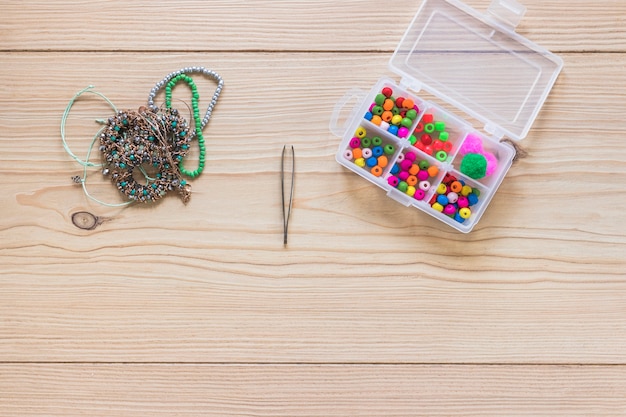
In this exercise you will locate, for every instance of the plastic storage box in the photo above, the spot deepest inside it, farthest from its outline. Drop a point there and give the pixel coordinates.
(424, 155)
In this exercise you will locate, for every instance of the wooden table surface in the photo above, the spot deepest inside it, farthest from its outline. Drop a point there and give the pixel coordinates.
(372, 309)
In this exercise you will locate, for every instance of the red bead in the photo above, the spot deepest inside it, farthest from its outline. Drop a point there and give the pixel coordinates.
(447, 146)
(428, 118)
(426, 139)
(428, 149)
(419, 128)
(399, 101)
(437, 145)
(387, 92)
(420, 146)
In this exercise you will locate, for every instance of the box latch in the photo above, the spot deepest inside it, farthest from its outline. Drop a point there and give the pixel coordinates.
(509, 12)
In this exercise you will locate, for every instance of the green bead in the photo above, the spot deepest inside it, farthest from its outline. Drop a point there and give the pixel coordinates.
(424, 164)
(443, 136)
(411, 114)
(440, 126)
(406, 122)
(403, 186)
(366, 142)
(377, 141)
(389, 149)
(380, 99)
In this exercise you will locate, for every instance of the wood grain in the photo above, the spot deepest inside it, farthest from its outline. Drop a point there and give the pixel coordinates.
(296, 390)
(372, 308)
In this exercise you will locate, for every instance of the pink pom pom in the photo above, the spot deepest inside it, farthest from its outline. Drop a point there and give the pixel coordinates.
(472, 144)
(492, 163)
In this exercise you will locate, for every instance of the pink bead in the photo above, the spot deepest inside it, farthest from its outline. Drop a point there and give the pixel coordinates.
(384, 125)
(400, 157)
(449, 209)
(419, 194)
(403, 132)
(348, 154)
(406, 164)
(410, 156)
(403, 175)
(422, 175)
(372, 107)
(492, 163)
(393, 181)
(355, 142)
(452, 197)
(424, 185)
(462, 202)
(472, 144)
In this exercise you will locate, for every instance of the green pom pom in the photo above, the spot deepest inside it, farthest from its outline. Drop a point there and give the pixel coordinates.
(474, 165)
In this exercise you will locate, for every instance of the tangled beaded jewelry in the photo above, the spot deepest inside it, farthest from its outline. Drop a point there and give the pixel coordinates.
(151, 142)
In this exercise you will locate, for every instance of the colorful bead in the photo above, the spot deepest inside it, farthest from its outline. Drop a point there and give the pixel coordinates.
(442, 199)
(376, 120)
(360, 162)
(429, 128)
(411, 114)
(444, 136)
(394, 169)
(441, 156)
(419, 194)
(442, 188)
(424, 164)
(377, 151)
(410, 156)
(366, 152)
(366, 142)
(403, 186)
(377, 110)
(433, 170)
(379, 99)
(403, 175)
(414, 170)
(449, 209)
(462, 202)
(371, 162)
(440, 126)
(410, 190)
(388, 104)
(377, 171)
(377, 141)
(466, 190)
(428, 118)
(423, 175)
(393, 130)
(403, 132)
(357, 153)
(465, 213)
(355, 143)
(411, 180)
(387, 91)
(438, 207)
(360, 132)
(347, 154)
(396, 120)
(424, 185)
(452, 197)
(393, 181)
(389, 149)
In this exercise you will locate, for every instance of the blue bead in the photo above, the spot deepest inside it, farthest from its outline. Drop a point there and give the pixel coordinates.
(368, 116)
(174, 124)
(472, 199)
(442, 199)
(395, 169)
(122, 165)
(377, 151)
(458, 218)
(393, 130)
(372, 162)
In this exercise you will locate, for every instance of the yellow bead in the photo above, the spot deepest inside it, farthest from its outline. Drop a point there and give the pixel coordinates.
(438, 207)
(360, 133)
(466, 190)
(410, 190)
(360, 162)
(442, 189)
(465, 213)
(396, 120)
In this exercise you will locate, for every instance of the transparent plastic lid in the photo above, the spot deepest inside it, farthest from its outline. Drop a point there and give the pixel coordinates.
(477, 63)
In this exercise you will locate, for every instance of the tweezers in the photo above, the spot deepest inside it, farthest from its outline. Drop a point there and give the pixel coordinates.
(287, 204)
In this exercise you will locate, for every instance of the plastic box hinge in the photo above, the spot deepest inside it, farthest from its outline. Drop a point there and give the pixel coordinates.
(508, 12)
(410, 84)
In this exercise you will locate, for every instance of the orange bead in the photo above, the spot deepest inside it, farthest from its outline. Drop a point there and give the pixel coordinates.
(432, 170)
(388, 104)
(408, 103)
(357, 153)
(382, 161)
(377, 171)
(414, 169)
(456, 186)
(387, 116)
(411, 180)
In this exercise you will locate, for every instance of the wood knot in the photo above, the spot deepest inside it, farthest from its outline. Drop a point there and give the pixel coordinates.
(85, 220)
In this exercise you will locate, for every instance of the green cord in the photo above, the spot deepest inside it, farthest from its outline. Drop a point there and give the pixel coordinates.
(85, 164)
(196, 115)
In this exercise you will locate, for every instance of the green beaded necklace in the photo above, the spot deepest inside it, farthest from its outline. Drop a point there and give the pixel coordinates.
(196, 116)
